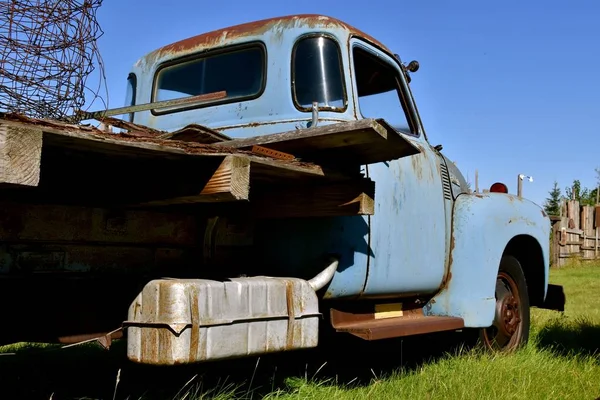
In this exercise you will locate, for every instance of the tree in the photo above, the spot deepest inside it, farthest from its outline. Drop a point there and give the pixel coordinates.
(552, 205)
(593, 196)
(583, 195)
(597, 189)
(573, 192)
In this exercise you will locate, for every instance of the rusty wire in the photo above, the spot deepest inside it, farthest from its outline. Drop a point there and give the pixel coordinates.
(48, 50)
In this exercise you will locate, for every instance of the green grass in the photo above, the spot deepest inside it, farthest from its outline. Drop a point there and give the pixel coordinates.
(560, 362)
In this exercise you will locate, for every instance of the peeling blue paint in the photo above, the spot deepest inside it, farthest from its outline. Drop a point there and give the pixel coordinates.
(483, 225)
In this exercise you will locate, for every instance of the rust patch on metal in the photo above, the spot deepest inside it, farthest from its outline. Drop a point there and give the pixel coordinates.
(414, 322)
(448, 275)
(289, 297)
(264, 151)
(195, 329)
(257, 28)
(416, 165)
(446, 280)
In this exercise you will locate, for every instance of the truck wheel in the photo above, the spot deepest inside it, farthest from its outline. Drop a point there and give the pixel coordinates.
(510, 329)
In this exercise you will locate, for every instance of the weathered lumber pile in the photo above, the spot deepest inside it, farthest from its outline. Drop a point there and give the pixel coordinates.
(310, 172)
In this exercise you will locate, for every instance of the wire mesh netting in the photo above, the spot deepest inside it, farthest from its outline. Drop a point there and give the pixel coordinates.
(48, 52)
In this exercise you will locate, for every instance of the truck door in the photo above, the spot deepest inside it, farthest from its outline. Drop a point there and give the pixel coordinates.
(408, 231)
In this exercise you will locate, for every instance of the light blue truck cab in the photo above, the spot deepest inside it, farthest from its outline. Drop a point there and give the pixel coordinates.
(435, 256)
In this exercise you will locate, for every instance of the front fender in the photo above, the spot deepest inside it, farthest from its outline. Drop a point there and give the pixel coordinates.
(482, 226)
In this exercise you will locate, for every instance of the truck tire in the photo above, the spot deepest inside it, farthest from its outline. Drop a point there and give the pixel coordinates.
(510, 329)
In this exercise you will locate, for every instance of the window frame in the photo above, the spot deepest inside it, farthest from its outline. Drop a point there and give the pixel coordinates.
(206, 54)
(132, 80)
(404, 94)
(342, 73)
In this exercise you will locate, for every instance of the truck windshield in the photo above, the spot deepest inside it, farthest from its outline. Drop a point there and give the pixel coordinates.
(317, 74)
(236, 74)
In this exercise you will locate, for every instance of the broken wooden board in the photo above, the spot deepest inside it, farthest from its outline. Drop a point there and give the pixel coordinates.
(135, 129)
(195, 133)
(81, 165)
(361, 142)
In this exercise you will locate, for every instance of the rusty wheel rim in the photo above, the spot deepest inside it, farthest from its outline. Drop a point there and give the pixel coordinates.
(505, 332)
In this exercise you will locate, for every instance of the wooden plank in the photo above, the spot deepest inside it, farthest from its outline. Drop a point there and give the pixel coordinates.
(597, 217)
(587, 219)
(230, 182)
(139, 130)
(587, 225)
(573, 214)
(597, 243)
(20, 155)
(341, 199)
(574, 231)
(195, 133)
(364, 141)
(555, 246)
(59, 224)
(81, 138)
(85, 139)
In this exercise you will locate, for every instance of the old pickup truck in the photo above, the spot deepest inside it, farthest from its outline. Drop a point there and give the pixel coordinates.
(414, 251)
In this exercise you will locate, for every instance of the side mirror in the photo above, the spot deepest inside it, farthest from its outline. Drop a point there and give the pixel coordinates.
(413, 66)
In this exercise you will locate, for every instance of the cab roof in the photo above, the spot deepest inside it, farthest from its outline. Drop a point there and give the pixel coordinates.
(222, 36)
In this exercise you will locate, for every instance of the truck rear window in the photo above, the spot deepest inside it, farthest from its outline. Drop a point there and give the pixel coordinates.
(317, 74)
(232, 75)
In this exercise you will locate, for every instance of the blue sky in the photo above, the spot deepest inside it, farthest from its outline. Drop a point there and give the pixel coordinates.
(506, 87)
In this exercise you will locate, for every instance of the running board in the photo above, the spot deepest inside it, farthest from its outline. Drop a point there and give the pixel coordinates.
(372, 327)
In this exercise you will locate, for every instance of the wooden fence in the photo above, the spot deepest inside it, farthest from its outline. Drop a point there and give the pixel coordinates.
(575, 234)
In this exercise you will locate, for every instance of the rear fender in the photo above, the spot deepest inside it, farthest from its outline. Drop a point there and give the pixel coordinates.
(482, 227)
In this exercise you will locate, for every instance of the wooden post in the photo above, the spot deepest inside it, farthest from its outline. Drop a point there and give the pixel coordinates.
(20, 155)
(573, 214)
(563, 251)
(597, 228)
(587, 225)
(476, 181)
(596, 247)
(519, 185)
(555, 259)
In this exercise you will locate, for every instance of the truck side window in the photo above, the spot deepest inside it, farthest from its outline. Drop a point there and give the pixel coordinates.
(239, 72)
(379, 94)
(317, 74)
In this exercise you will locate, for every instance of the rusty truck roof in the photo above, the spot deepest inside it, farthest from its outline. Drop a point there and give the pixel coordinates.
(254, 28)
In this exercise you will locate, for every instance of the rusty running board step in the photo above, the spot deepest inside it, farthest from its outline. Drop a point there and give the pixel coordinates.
(375, 329)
